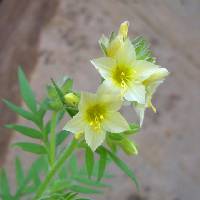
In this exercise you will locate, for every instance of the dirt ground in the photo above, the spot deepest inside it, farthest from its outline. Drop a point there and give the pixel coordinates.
(168, 162)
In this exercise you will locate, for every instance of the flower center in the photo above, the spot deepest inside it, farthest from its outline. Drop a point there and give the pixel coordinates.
(95, 115)
(123, 76)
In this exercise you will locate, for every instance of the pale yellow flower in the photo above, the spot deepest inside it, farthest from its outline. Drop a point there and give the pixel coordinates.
(98, 113)
(125, 73)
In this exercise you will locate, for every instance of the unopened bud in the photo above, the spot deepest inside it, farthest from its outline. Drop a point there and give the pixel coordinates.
(79, 135)
(71, 99)
(123, 30)
(129, 147)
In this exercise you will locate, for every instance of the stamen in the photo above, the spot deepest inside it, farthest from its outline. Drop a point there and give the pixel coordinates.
(123, 84)
(91, 123)
(101, 117)
(123, 76)
(96, 120)
(95, 116)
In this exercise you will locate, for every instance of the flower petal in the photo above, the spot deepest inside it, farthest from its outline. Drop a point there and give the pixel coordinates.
(136, 93)
(126, 54)
(104, 65)
(115, 123)
(94, 139)
(110, 97)
(158, 75)
(76, 124)
(111, 86)
(86, 100)
(144, 69)
(140, 109)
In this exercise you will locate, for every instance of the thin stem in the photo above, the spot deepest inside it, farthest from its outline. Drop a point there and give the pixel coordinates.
(67, 152)
(53, 138)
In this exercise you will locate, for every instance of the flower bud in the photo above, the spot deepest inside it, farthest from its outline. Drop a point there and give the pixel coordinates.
(78, 135)
(123, 30)
(129, 147)
(71, 99)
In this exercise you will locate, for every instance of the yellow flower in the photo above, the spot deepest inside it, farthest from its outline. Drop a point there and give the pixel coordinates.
(112, 45)
(98, 113)
(151, 85)
(125, 73)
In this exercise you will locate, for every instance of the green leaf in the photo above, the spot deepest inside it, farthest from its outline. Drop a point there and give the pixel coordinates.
(63, 172)
(4, 185)
(90, 182)
(83, 199)
(142, 49)
(83, 171)
(47, 128)
(59, 185)
(84, 190)
(71, 196)
(30, 132)
(61, 136)
(111, 144)
(27, 115)
(31, 147)
(36, 168)
(122, 166)
(59, 92)
(67, 85)
(26, 91)
(73, 164)
(89, 161)
(102, 164)
(43, 107)
(30, 189)
(19, 172)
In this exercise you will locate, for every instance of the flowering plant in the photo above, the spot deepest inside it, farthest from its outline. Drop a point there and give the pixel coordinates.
(97, 128)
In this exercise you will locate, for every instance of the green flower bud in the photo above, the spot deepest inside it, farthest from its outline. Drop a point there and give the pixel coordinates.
(71, 99)
(129, 147)
(55, 102)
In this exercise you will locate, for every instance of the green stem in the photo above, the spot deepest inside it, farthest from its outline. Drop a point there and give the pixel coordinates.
(53, 138)
(67, 152)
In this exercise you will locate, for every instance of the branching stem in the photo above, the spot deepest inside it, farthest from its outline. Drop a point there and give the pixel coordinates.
(67, 152)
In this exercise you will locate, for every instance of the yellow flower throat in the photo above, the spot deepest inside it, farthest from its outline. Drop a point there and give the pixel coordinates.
(95, 115)
(123, 76)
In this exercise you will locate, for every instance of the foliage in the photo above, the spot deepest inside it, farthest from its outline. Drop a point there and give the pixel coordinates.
(70, 181)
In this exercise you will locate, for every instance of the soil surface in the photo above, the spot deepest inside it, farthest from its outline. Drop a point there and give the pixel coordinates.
(61, 40)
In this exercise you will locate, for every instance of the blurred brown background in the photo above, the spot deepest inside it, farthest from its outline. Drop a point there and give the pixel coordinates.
(52, 38)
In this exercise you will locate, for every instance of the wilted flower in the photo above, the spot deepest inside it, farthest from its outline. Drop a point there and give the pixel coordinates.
(98, 113)
(151, 85)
